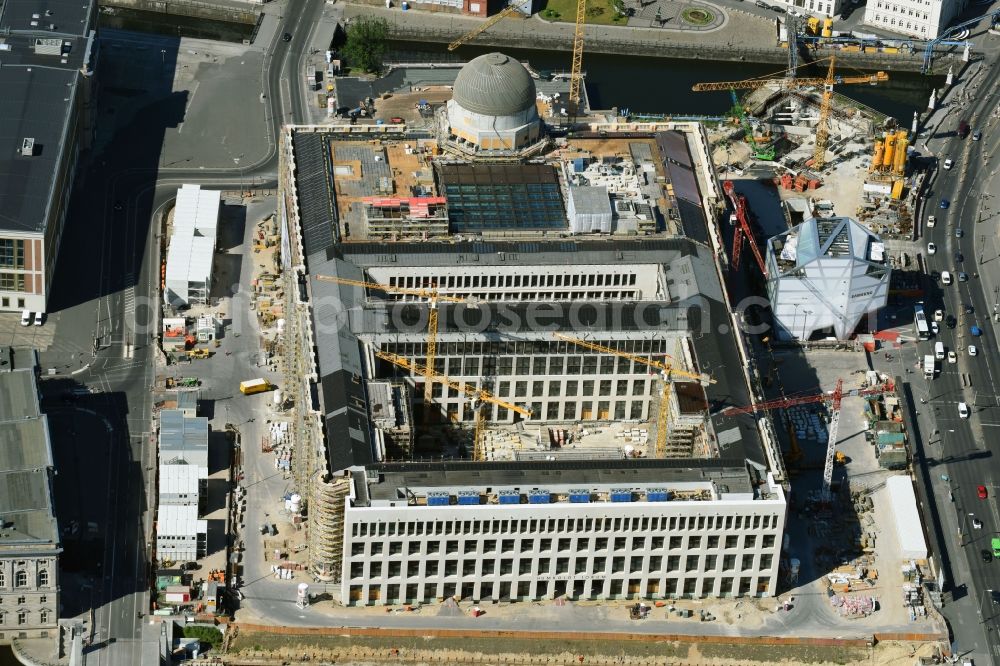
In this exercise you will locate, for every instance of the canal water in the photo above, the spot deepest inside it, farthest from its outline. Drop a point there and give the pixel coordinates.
(663, 85)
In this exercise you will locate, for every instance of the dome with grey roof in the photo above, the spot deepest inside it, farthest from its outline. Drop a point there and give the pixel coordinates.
(494, 85)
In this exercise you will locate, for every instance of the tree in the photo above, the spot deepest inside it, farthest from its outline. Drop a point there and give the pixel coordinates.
(367, 42)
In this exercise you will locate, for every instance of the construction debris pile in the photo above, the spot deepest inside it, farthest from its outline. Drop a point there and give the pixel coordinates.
(913, 592)
(854, 607)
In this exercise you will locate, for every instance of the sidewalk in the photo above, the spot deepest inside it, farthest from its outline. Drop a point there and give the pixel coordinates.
(734, 32)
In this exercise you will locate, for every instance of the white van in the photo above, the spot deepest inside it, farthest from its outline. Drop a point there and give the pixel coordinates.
(25, 317)
(939, 350)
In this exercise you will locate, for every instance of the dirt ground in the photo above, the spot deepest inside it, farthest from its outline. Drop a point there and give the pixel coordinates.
(421, 650)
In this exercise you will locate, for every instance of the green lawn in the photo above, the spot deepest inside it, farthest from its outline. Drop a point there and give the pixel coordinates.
(600, 12)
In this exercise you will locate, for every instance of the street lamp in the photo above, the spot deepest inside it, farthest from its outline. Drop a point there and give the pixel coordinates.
(236, 162)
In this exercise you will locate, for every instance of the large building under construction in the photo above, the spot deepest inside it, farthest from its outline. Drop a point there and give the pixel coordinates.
(519, 364)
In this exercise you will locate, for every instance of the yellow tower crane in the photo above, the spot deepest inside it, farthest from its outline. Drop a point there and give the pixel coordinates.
(823, 126)
(432, 322)
(785, 83)
(481, 395)
(509, 10)
(669, 372)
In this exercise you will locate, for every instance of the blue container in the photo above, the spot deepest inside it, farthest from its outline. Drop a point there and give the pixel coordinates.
(658, 496)
(539, 498)
(579, 497)
(468, 499)
(621, 496)
(438, 499)
(512, 498)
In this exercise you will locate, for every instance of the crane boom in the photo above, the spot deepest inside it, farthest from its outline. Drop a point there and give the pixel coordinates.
(753, 84)
(831, 438)
(669, 369)
(467, 389)
(576, 71)
(740, 208)
(780, 403)
(487, 24)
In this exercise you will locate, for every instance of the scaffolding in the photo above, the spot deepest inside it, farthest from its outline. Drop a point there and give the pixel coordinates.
(326, 526)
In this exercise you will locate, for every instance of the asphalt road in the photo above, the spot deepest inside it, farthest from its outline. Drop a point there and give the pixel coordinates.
(957, 450)
(105, 290)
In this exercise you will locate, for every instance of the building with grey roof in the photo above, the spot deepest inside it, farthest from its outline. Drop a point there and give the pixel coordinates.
(824, 276)
(29, 535)
(578, 455)
(492, 110)
(184, 440)
(47, 59)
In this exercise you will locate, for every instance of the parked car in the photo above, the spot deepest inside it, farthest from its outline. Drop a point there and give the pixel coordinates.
(39, 318)
(949, 163)
(935, 329)
(26, 317)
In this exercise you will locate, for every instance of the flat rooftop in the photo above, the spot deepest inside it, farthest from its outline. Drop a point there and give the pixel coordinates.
(397, 481)
(26, 509)
(43, 47)
(650, 184)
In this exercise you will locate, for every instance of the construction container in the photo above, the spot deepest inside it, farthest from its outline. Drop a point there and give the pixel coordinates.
(252, 386)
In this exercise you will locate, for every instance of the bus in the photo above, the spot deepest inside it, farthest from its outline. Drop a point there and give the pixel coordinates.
(920, 322)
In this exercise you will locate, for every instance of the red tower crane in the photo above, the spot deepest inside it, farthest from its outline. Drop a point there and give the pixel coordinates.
(834, 399)
(742, 227)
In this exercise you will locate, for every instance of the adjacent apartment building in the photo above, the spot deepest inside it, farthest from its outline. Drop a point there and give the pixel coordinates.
(924, 19)
(48, 52)
(29, 536)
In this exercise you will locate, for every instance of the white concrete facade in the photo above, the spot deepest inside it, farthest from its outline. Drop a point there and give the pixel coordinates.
(924, 19)
(180, 535)
(727, 546)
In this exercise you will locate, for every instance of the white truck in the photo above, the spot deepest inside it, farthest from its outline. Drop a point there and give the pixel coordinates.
(929, 366)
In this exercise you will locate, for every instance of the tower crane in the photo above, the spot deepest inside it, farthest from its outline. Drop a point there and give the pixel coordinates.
(784, 81)
(509, 10)
(834, 400)
(481, 395)
(433, 297)
(742, 227)
(666, 369)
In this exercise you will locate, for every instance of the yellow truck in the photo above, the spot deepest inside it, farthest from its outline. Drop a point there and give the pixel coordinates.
(252, 386)
(199, 353)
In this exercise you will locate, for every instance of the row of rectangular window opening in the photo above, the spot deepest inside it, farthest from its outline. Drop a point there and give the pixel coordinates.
(563, 565)
(515, 280)
(557, 349)
(564, 545)
(620, 588)
(44, 616)
(588, 525)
